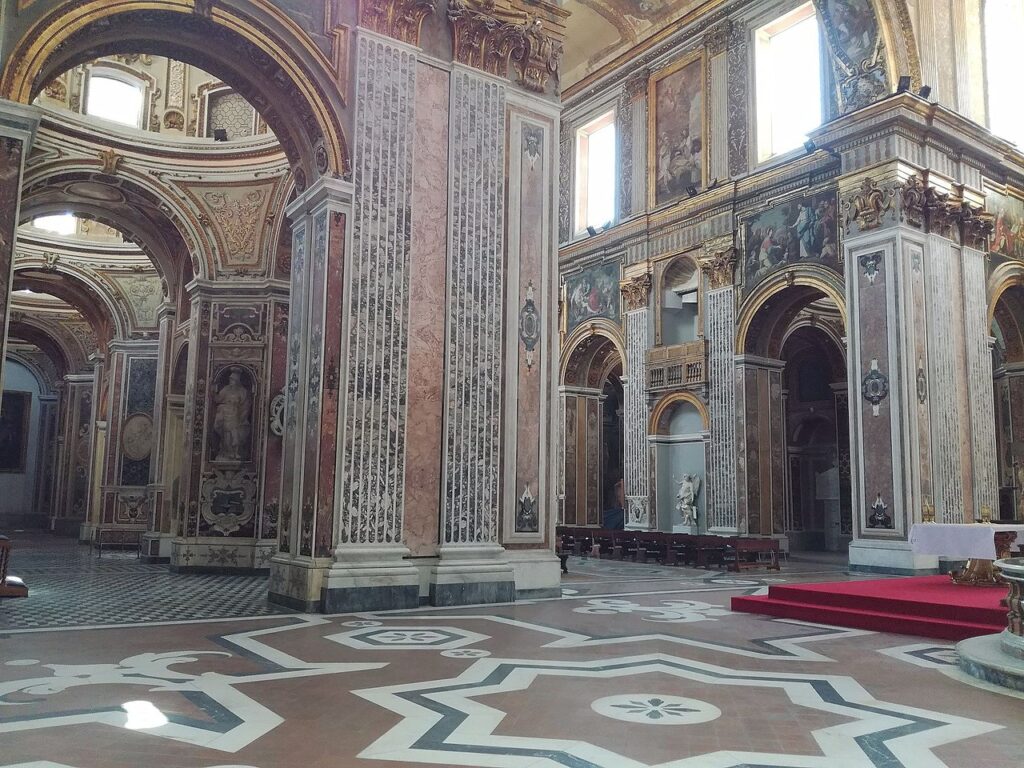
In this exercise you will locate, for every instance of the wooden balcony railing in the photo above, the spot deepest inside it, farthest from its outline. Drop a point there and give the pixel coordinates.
(677, 366)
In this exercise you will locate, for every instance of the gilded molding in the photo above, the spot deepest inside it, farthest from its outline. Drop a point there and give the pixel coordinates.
(945, 213)
(637, 291)
(490, 38)
(867, 207)
(718, 262)
(398, 19)
(111, 160)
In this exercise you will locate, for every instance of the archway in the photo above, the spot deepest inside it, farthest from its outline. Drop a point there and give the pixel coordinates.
(252, 46)
(678, 435)
(1007, 330)
(591, 393)
(793, 410)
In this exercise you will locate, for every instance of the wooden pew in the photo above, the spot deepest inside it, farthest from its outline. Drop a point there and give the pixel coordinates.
(740, 558)
(10, 586)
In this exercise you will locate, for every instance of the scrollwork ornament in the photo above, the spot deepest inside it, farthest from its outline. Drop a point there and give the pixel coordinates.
(913, 201)
(399, 19)
(718, 262)
(868, 207)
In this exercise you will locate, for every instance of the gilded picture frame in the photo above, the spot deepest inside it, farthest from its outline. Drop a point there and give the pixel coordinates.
(670, 164)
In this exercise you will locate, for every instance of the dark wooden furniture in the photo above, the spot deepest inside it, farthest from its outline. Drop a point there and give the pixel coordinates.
(10, 586)
(117, 538)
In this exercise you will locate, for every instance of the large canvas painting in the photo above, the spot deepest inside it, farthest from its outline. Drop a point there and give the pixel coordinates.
(1008, 235)
(15, 410)
(594, 292)
(800, 231)
(677, 136)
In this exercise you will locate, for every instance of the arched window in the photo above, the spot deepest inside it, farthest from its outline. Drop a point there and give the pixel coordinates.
(115, 98)
(59, 223)
(1004, 28)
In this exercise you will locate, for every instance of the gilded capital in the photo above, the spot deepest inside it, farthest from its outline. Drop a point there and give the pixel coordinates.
(399, 19)
(636, 292)
(718, 262)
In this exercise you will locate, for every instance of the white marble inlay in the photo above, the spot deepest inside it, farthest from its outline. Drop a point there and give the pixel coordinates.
(407, 638)
(652, 709)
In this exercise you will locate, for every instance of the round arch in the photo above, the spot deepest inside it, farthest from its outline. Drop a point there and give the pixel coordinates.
(64, 358)
(598, 329)
(813, 280)
(249, 44)
(92, 299)
(1003, 278)
(663, 409)
(46, 386)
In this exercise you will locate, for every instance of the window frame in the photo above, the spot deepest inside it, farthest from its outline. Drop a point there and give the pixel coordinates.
(596, 121)
(986, 84)
(759, 114)
(106, 70)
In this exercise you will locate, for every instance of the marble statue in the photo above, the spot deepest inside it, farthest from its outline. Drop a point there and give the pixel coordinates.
(231, 418)
(686, 498)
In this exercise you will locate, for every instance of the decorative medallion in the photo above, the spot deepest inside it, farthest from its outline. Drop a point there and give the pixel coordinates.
(527, 520)
(870, 262)
(137, 437)
(647, 709)
(529, 325)
(875, 387)
(922, 384)
(228, 500)
(277, 415)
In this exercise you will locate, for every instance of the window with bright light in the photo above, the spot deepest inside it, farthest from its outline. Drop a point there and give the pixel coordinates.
(787, 61)
(58, 224)
(114, 99)
(595, 173)
(1004, 27)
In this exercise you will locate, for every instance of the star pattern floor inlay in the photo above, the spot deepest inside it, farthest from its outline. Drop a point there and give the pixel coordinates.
(625, 670)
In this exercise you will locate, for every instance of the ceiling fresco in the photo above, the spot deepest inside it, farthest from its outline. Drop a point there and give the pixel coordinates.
(599, 30)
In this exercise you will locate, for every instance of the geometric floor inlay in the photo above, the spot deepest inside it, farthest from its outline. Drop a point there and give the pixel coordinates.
(652, 709)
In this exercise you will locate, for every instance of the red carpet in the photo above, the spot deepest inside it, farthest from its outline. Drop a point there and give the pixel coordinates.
(930, 606)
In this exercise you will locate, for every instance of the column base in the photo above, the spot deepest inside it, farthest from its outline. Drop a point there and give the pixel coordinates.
(221, 555)
(370, 577)
(86, 531)
(997, 659)
(691, 529)
(469, 574)
(890, 557)
(296, 582)
(156, 547)
(537, 572)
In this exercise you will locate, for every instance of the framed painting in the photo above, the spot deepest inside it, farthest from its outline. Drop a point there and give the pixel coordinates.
(1008, 234)
(15, 411)
(677, 131)
(594, 292)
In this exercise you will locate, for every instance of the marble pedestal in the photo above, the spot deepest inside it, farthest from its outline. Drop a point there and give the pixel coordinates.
(999, 659)
(896, 557)
(207, 554)
(370, 577)
(472, 573)
(156, 547)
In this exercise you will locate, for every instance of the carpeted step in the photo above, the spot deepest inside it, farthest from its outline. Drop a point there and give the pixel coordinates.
(925, 598)
(878, 621)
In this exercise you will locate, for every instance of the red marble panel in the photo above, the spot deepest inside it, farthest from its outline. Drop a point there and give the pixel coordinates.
(594, 500)
(277, 368)
(426, 317)
(337, 224)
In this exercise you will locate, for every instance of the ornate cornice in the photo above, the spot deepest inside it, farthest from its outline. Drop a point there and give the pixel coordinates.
(491, 36)
(945, 213)
(399, 19)
(718, 262)
(636, 292)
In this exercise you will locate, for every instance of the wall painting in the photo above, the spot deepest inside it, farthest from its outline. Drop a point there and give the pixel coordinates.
(592, 293)
(677, 131)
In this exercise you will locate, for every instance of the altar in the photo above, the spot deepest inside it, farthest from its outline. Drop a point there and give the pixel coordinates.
(978, 543)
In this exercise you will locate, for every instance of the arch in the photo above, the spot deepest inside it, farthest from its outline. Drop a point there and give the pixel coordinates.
(897, 29)
(46, 387)
(663, 409)
(26, 329)
(1004, 277)
(179, 371)
(91, 298)
(672, 310)
(249, 44)
(804, 283)
(583, 339)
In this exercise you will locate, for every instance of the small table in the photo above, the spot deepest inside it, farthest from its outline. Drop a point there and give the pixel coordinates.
(978, 543)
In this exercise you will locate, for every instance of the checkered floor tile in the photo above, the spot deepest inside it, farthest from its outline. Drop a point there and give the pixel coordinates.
(69, 586)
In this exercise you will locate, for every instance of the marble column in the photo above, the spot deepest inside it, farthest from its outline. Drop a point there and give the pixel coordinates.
(473, 567)
(18, 124)
(157, 540)
(636, 293)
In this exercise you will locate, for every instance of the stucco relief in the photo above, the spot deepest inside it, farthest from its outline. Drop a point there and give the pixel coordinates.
(856, 50)
(143, 295)
(239, 217)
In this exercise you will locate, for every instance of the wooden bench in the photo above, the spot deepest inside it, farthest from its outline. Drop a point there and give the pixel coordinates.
(120, 538)
(10, 586)
(765, 552)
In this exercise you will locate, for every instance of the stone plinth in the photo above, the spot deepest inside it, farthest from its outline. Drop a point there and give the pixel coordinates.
(999, 659)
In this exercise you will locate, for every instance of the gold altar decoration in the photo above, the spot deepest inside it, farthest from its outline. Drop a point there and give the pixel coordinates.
(979, 572)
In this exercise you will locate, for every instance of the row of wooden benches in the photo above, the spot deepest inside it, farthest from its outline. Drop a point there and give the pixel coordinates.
(702, 551)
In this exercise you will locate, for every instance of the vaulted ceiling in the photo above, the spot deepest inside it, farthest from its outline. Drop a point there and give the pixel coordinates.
(599, 30)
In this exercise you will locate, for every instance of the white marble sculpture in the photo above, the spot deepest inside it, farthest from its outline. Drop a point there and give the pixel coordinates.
(231, 419)
(686, 498)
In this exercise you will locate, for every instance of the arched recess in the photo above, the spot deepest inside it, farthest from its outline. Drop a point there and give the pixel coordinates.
(792, 367)
(591, 393)
(61, 354)
(679, 318)
(900, 41)
(678, 435)
(249, 44)
(92, 299)
(144, 211)
(592, 337)
(1006, 312)
(46, 384)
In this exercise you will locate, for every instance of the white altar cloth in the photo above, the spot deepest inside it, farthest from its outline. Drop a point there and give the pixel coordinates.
(958, 540)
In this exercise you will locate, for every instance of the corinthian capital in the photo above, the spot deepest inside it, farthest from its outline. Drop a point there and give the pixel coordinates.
(400, 19)
(636, 292)
(718, 261)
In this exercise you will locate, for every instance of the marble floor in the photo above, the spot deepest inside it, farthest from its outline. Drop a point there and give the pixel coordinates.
(634, 666)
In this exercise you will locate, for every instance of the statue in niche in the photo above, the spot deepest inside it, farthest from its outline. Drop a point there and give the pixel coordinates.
(686, 498)
(231, 420)
(879, 517)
